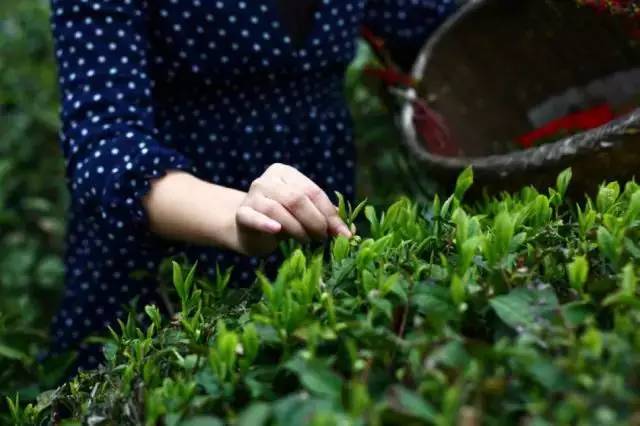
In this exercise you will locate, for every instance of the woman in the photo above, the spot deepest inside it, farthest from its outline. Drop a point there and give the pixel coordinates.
(212, 128)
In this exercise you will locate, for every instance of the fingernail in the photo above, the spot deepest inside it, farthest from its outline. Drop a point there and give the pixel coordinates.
(273, 226)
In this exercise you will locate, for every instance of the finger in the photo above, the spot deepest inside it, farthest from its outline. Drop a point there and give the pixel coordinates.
(252, 219)
(318, 197)
(274, 210)
(299, 205)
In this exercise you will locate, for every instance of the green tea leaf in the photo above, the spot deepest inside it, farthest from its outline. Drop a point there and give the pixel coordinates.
(521, 306)
(256, 414)
(576, 313)
(340, 248)
(12, 353)
(464, 182)
(342, 207)
(607, 196)
(577, 272)
(563, 180)
(629, 280)
(316, 377)
(202, 421)
(458, 291)
(178, 280)
(357, 210)
(410, 403)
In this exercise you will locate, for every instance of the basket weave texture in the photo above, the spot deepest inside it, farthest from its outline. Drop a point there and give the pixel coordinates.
(495, 65)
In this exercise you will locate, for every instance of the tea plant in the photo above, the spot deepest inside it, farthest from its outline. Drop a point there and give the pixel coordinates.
(520, 309)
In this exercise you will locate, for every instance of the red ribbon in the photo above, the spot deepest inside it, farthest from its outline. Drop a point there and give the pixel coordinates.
(572, 123)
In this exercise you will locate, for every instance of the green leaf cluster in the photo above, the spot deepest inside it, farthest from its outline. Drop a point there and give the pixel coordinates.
(443, 313)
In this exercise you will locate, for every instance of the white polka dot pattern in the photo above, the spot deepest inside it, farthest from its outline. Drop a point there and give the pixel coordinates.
(213, 87)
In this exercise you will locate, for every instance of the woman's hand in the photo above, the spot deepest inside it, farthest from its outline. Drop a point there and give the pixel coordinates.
(285, 203)
(282, 203)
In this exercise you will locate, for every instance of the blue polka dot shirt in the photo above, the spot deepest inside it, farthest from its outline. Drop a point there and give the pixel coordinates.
(217, 88)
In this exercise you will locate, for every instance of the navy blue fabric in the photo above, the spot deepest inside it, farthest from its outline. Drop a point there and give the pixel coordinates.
(213, 87)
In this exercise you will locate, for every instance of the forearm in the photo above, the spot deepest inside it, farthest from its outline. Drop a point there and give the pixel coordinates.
(184, 208)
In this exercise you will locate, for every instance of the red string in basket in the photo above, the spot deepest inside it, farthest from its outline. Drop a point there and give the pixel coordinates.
(430, 126)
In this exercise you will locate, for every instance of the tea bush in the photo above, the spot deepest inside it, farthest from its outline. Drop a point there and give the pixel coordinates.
(521, 309)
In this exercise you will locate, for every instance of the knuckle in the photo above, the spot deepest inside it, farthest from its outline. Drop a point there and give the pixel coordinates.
(268, 208)
(314, 192)
(257, 184)
(294, 200)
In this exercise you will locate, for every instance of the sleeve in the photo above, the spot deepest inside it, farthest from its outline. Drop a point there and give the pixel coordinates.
(108, 124)
(405, 25)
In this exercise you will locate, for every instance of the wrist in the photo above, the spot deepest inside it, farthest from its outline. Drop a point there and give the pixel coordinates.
(223, 230)
(185, 208)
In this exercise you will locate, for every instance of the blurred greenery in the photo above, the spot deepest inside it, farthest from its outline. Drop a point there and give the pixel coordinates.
(33, 195)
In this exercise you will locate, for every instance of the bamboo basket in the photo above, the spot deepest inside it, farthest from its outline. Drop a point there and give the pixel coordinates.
(498, 69)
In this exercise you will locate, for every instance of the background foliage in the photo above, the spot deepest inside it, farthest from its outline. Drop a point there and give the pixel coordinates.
(32, 194)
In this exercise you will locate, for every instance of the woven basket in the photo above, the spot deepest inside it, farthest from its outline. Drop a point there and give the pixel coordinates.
(499, 69)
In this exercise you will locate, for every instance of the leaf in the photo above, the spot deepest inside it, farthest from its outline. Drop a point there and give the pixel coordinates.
(202, 421)
(458, 291)
(410, 403)
(520, 307)
(577, 272)
(563, 180)
(547, 374)
(357, 210)
(189, 280)
(382, 305)
(444, 211)
(607, 244)
(633, 210)
(256, 414)
(632, 248)
(607, 196)
(434, 302)
(299, 408)
(372, 217)
(504, 231)
(464, 182)
(178, 280)
(453, 354)
(576, 313)
(342, 207)
(340, 248)
(398, 289)
(12, 353)
(541, 211)
(316, 377)
(629, 280)
(250, 341)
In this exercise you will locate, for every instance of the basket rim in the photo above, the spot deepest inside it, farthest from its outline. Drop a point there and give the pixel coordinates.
(595, 140)
(518, 161)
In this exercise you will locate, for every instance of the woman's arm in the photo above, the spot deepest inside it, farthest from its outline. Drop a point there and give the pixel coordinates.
(107, 116)
(281, 203)
(117, 169)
